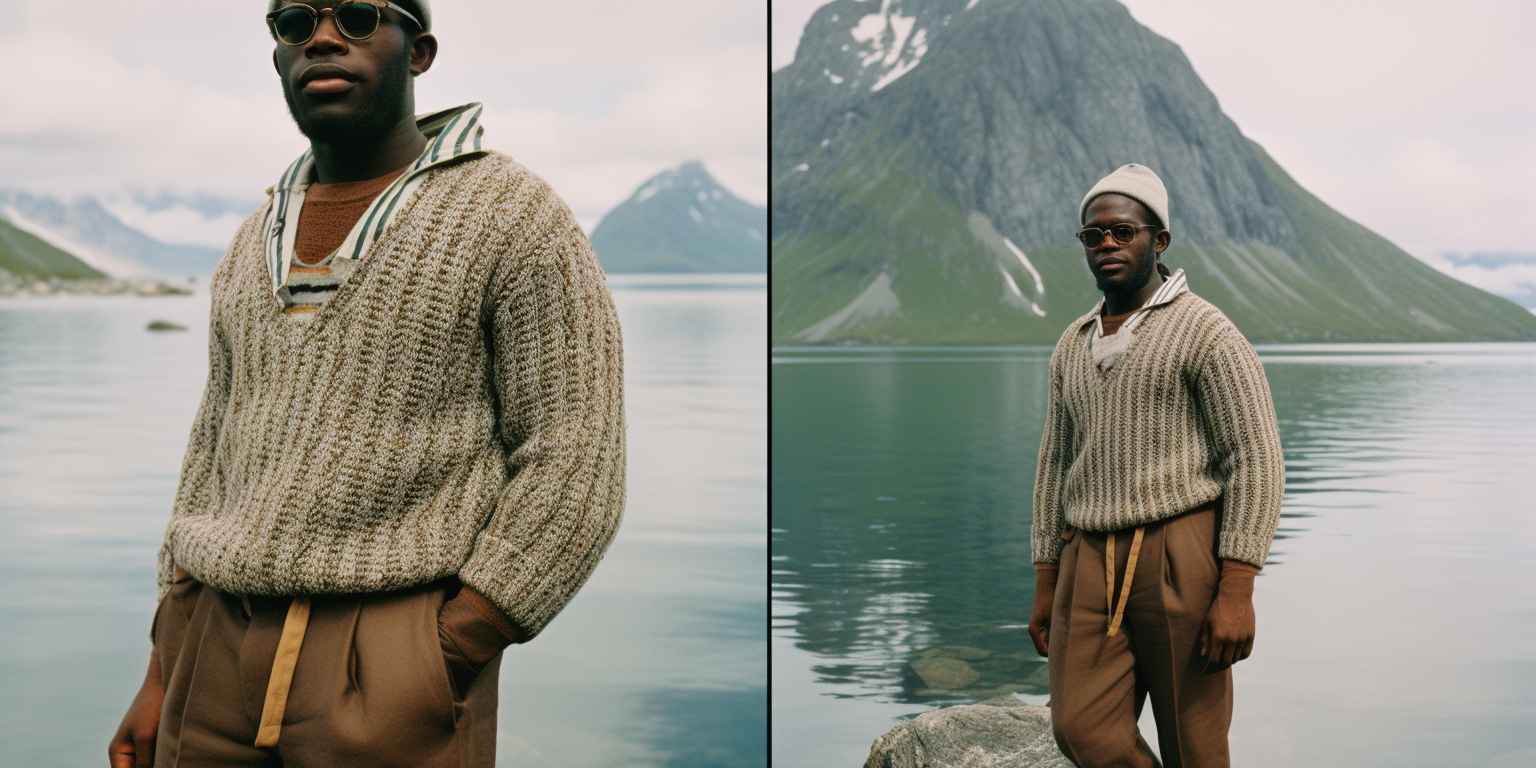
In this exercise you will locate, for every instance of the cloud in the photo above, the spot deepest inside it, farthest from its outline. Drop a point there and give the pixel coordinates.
(1514, 279)
(596, 98)
(99, 125)
(682, 112)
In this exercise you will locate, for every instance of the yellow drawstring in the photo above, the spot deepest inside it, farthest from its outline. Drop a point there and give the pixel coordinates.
(282, 672)
(1117, 612)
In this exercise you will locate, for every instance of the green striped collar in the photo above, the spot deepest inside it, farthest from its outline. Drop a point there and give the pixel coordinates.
(453, 133)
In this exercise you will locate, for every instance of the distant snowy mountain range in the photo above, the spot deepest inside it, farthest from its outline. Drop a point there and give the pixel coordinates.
(681, 220)
(86, 230)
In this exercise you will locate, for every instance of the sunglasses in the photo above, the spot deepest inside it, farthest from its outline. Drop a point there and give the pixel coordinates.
(1093, 237)
(356, 19)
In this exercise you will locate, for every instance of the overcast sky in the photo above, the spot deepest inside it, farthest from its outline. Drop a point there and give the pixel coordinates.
(104, 97)
(1416, 119)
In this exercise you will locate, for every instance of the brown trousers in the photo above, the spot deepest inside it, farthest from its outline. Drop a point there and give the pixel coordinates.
(1099, 682)
(371, 686)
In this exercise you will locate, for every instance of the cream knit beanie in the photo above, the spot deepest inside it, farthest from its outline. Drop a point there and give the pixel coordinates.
(1137, 182)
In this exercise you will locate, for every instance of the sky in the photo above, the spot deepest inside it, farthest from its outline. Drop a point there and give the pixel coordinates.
(1416, 119)
(136, 102)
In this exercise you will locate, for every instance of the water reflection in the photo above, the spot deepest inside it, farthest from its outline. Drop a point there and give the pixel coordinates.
(901, 509)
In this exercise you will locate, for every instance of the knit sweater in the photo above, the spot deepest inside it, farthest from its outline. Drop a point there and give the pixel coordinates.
(454, 409)
(1182, 419)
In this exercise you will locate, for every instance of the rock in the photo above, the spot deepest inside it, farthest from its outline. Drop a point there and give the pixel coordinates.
(164, 325)
(945, 674)
(1000, 733)
(961, 652)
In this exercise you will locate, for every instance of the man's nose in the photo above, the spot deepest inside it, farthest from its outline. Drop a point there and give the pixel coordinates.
(327, 39)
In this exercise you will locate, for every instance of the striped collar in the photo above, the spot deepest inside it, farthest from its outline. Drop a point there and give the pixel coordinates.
(1171, 288)
(452, 133)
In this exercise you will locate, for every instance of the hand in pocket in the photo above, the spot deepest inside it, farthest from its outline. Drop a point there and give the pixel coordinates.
(468, 638)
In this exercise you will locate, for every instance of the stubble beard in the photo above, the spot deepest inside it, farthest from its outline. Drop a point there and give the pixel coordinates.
(1134, 281)
(367, 124)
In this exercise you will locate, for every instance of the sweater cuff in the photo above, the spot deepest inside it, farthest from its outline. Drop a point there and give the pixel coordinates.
(1246, 548)
(520, 595)
(492, 614)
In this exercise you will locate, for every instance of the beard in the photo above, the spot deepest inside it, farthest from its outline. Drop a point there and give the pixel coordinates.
(371, 121)
(1135, 280)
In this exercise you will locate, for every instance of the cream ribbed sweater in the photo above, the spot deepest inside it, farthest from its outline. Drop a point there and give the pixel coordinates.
(455, 408)
(1183, 417)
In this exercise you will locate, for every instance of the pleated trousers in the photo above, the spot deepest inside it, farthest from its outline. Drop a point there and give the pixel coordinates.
(1100, 682)
(371, 686)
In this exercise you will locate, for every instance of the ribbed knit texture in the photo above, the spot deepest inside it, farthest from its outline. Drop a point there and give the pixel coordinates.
(1184, 417)
(455, 408)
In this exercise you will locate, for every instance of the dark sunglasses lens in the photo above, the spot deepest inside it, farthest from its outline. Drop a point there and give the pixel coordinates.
(1091, 238)
(357, 19)
(1124, 233)
(294, 25)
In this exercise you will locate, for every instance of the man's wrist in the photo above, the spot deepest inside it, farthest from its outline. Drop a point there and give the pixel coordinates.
(1237, 578)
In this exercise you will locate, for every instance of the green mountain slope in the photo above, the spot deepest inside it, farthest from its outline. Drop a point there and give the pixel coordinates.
(24, 254)
(682, 220)
(929, 156)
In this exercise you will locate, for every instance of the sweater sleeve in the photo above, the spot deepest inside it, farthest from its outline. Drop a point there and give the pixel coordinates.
(558, 370)
(1240, 415)
(1051, 472)
(196, 490)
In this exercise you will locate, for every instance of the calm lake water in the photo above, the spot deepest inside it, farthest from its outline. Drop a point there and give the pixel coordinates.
(659, 661)
(1396, 618)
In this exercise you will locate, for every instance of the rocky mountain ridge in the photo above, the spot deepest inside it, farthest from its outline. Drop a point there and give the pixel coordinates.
(929, 156)
(682, 220)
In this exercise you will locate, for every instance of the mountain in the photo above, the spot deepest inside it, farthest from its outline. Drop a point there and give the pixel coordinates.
(88, 231)
(928, 158)
(24, 254)
(682, 220)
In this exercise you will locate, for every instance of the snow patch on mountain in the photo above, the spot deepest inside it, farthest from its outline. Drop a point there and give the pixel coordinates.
(111, 264)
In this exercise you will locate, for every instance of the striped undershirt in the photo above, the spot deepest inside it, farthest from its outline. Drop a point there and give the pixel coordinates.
(302, 289)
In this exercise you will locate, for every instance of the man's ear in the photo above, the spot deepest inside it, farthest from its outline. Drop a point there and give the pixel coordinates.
(275, 68)
(1161, 240)
(423, 53)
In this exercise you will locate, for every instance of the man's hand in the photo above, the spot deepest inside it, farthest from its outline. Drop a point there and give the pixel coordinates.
(134, 744)
(1040, 614)
(1227, 636)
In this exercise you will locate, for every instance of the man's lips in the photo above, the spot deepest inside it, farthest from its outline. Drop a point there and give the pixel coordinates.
(326, 78)
(1108, 265)
(328, 85)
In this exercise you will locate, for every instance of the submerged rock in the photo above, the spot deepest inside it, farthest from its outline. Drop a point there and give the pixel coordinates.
(945, 674)
(961, 652)
(999, 733)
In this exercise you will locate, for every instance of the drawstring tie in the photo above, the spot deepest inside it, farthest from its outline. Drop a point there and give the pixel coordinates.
(282, 672)
(1117, 612)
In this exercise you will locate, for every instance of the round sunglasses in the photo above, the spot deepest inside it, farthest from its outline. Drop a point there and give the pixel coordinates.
(295, 24)
(1093, 237)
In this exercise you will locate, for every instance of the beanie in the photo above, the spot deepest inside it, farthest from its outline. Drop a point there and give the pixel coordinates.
(1137, 182)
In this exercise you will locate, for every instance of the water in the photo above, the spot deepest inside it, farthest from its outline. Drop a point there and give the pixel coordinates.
(659, 660)
(1395, 618)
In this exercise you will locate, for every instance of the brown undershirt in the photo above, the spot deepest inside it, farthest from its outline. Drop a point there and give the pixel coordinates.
(1110, 323)
(329, 213)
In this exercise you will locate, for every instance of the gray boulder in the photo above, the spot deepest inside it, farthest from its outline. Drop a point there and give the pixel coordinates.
(998, 733)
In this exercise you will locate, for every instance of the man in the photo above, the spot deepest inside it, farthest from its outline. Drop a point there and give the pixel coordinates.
(1157, 496)
(410, 452)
